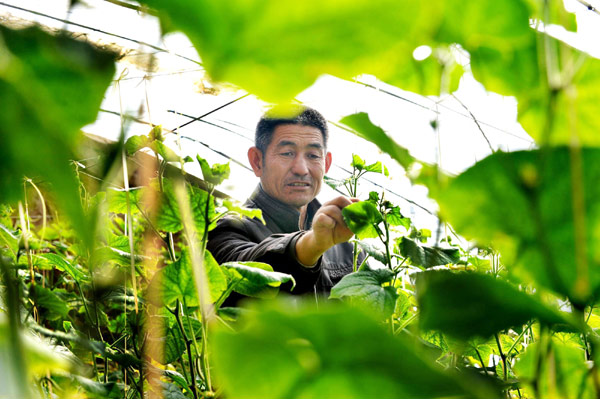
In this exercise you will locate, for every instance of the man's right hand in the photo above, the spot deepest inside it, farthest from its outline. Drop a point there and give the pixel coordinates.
(328, 229)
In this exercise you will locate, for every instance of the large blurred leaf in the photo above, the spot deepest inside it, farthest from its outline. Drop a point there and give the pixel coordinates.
(563, 374)
(427, 256)
(367, 287)
(363, 126)
(333, 352)
(521, 204)
(575, 111)
(50, 86)
(363, 218)
(257, 279)
(467, 305)
(276, 49)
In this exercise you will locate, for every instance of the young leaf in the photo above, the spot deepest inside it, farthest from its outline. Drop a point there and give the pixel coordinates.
(362, 218)
(357, 162)
(366, 286)
(136, 143)
(257, 279)
(214, 174)
(466, 305)
(395, 218)
(427, 256)
(378, 167)
(250, 213)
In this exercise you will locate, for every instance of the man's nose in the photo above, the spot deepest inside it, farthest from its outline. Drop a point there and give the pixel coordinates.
(299, 166)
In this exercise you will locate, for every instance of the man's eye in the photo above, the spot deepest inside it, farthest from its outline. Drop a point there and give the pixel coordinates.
(314, 156)
(287, 154)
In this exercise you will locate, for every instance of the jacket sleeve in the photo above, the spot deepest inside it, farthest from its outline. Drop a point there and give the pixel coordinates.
(236, 240)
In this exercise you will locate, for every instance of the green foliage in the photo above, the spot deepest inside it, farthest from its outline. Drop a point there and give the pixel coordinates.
(176, 281)
(367, 287)
(329, 352)
(231, 39)
(51, 86)
(564, 375)
(168, 216)
(523, 204)
(214, 174)
(363, 126)
(256, 279)
(461, 305)
(363, 218)
(427, 256)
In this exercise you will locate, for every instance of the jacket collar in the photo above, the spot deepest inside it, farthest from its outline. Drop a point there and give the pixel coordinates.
(281, 218)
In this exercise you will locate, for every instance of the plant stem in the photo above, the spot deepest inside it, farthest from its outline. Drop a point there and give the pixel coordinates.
(503, 356)
(15, 349)
(189, 349)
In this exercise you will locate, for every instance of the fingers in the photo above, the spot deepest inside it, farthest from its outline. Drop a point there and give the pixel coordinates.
(340, 202)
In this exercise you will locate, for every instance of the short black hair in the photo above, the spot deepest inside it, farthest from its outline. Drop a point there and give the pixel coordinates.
(287, 115)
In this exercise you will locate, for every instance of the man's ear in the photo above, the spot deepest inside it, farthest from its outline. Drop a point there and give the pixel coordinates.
(255, 157)
(327, 162)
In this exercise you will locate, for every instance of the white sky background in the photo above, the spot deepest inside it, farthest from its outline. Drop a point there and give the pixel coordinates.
(174, 86)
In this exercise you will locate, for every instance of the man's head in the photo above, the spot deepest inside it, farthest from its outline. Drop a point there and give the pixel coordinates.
(290, 155)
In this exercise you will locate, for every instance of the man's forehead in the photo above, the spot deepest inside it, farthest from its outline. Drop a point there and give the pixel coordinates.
(297, 135)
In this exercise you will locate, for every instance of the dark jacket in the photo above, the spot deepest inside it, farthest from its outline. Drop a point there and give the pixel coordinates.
(247, 239)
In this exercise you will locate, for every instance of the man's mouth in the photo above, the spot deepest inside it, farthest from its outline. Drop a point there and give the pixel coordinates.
(299, 184)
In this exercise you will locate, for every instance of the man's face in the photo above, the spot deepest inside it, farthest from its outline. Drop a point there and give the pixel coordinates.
(293, 165)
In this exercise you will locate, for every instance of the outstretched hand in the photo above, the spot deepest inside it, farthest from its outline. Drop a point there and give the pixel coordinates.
(328, 229)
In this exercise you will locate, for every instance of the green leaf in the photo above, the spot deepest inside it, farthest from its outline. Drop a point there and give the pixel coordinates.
(117, 200)
(427, 256)
(136, 143)
(362, 218)
(372, 251)
(171, 391)
(174, 345)
(521, 204)
(236, 40)
(575, 104)
(563, 372)
(168, 217)
(466, 305)
(366, 286)
(55, 308)
(395, 218)
(432, 76)
(334, 351)
(357, 162)
(377, 167)
(257, 279)
(9, 240)
(178, 281)
(60, 263)
(51, 86)
(214, 174)
(364, 128)
(250, 213)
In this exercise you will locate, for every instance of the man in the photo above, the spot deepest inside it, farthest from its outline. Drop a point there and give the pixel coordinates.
(301, 237)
